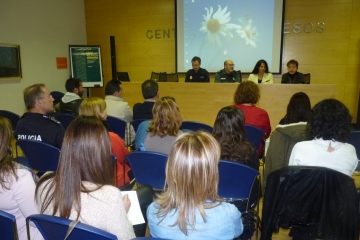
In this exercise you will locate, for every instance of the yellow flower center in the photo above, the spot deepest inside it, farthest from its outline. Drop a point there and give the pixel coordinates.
(248, 33)
(213, 25)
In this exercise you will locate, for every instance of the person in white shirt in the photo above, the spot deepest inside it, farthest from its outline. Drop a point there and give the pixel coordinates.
(261, 74)
(329, 129)
(17, 187)
(116, 106)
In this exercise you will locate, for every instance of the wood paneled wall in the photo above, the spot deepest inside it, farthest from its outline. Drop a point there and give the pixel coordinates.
(332, 57)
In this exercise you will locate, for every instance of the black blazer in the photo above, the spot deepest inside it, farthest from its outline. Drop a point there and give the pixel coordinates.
(300, 194)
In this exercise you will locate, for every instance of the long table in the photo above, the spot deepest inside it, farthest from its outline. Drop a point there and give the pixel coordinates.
(202, 101)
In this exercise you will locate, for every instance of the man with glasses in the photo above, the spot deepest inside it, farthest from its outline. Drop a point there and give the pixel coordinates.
(228, 74)
(36, 124)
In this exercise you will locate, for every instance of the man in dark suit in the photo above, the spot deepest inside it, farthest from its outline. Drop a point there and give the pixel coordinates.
(197, 74)
(150, 91)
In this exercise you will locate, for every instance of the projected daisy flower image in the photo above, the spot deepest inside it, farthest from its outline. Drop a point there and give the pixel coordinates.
(216, 25)
(248, 32)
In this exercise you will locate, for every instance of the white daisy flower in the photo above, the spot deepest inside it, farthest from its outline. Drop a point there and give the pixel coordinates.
(248, 32)
(217, 25)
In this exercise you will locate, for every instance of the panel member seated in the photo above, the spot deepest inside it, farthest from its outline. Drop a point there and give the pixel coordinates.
(71, 101)
(228, 74)
(292, 76)
(197, 74)
(150, 91)
(261, 74)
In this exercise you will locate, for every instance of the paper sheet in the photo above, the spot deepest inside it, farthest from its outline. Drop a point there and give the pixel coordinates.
(135, 216)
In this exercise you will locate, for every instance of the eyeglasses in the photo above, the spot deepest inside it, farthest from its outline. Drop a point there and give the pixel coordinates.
(231, 65)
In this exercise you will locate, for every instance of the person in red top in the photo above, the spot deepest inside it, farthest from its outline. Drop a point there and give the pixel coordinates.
(96, 107)
(246, 96)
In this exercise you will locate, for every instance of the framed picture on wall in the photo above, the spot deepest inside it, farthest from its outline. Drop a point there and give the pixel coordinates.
(10, 62)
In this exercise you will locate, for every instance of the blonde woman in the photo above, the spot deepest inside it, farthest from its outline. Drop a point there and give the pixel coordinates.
(190, 207)
(160, 133)
(97, 107)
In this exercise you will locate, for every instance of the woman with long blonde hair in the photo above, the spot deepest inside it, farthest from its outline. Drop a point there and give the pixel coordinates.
(159, 133)
(190, 206)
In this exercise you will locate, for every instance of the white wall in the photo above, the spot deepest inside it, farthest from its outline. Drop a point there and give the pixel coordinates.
(44, 29)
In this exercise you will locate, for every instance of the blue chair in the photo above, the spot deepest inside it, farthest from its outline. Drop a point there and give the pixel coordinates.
(355, 141)
(254, 135)
(55, 228)
(196, 126)
(236, 182)
(57, 96)
(137, 122)
(41, 156)
(117, 126)
(8, 229)
(148, 168)
(65, 119)
(13, 117)
(149, 238)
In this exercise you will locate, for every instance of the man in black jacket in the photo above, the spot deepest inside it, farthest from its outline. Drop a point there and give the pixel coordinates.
(150, 91)
(71, 101)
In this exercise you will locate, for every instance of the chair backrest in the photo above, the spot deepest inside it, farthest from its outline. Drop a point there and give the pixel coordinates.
(355, 141)
(254, 135)
(196, 126)
(235, 180)
(41, 156)
(307, 78)
(159, 76)
(148, 168)
(57, 96)
(137, 122)
(13, 117)
(311, 195)
(117, 126)
(55, 228)
(172, 77)
(8, 229)
(65, 119)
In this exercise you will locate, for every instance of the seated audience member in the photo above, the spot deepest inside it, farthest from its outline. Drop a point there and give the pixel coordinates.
(71, 101)
(96, 107)
(116, 106)
(17, 187)
(292, 129)
(292, 76)
(298, 109)
(261, 74)
(246, 96)
(36, 124)
(228, 74)
(190, 207)
(197, 74)
(160, 133)
(81, 188)
(329, 129)
(229, 131)
(150, 92)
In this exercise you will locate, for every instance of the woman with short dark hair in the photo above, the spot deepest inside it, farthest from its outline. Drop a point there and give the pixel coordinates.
(329, 129)
(81, 188)
(246, 96)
